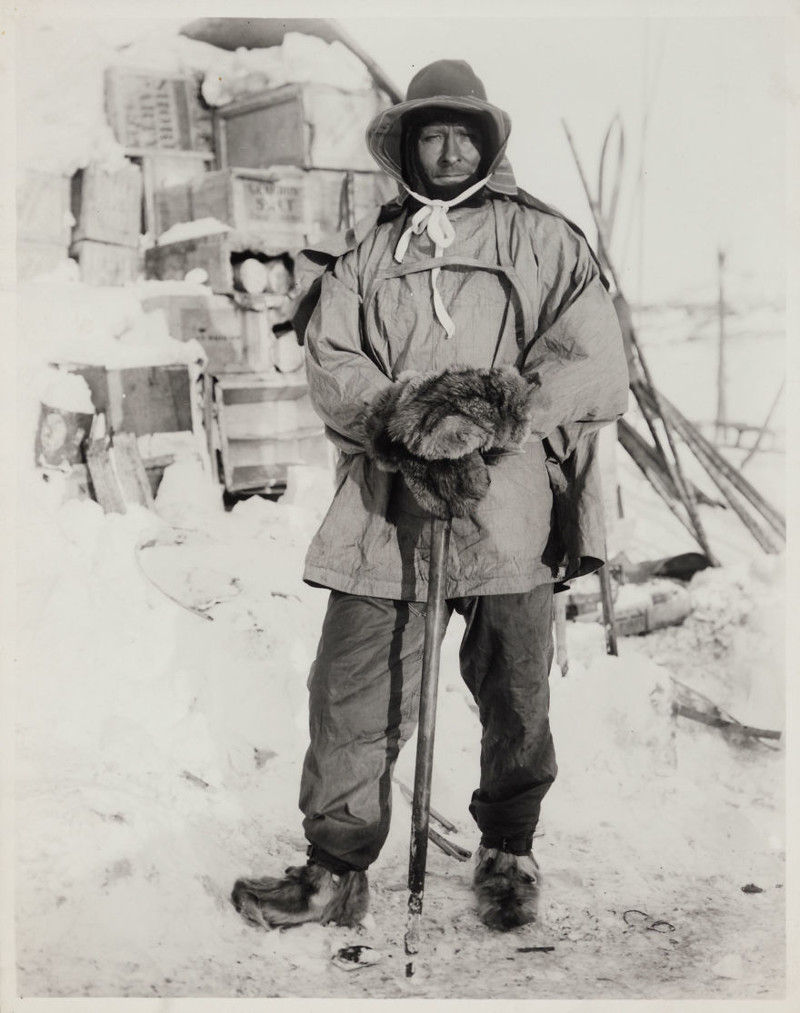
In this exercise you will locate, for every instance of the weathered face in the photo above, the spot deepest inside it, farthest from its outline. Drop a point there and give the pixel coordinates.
(449, 153)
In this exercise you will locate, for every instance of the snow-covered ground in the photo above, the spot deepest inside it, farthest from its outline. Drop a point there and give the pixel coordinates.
(158, 750)
(159, 709)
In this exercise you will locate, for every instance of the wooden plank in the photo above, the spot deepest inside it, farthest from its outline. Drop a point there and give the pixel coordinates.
(271, 419)
(118, 475)
(716, 721)
(260, 394)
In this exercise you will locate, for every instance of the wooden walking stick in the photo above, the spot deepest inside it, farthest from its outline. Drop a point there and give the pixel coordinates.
(421, 807)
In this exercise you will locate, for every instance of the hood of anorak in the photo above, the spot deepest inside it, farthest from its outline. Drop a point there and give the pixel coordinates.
(385, 135)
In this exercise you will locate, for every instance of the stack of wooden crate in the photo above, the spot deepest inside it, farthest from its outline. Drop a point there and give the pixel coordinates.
(164, 128)
(293, 170)
(107, 208)
(265, 425)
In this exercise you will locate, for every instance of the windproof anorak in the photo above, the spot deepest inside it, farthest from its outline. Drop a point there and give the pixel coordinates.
(523, 289)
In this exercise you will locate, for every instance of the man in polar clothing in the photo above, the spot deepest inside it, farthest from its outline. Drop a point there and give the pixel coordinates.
(463, 354)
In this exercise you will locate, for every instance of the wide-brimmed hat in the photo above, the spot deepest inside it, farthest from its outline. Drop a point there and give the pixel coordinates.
(451, 85)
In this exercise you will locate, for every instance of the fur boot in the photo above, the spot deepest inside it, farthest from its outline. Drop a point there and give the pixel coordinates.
(307, 893)
(507, 888)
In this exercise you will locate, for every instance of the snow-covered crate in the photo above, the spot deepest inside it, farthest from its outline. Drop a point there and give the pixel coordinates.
(216, 253)
(107, 205)
(211, 253)
(310, 125)
(141, 399)
(106, 263)
(149, 109)
(269, 201)
(165, 175)
(266, 424)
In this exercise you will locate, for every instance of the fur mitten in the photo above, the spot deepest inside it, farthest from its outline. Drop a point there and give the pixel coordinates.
(450, 414)
(447, 488)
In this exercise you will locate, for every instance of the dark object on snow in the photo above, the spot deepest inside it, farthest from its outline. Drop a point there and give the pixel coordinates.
(535, 949)
(646, 921)
(307, 893)
(350, 958)
(507, 888)
(681, 567)
(752, 888)
(439, 430)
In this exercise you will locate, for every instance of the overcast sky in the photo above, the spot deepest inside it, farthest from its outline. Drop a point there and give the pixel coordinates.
(714, 90)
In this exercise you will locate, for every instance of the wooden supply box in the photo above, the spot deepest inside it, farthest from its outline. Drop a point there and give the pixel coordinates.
(266, 424)
(310, 125)
(172, 261)
(141, 399)
(164, 177)
(213, 253)
(337, 200)
(286, 207)
(270, 202)
(107, 206)
(148, 109)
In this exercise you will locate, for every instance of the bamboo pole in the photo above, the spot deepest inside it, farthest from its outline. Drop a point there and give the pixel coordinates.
(722, 409)
(676, 472)
(765, 426)
(713, 460)
(640, 453)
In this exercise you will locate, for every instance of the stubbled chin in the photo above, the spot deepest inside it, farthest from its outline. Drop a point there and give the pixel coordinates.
(447, 191)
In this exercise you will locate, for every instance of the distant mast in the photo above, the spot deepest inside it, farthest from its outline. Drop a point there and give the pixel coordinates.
(722, 408)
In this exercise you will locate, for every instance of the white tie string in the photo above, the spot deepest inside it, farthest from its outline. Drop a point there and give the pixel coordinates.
(432, 218)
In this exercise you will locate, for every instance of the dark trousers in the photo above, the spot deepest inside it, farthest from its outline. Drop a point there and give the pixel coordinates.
(364, 701)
